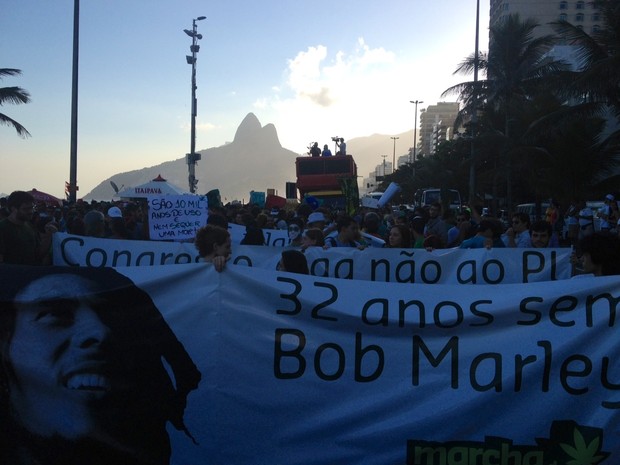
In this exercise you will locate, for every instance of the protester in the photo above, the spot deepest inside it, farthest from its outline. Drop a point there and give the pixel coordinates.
(586, 221)
(312, 237)
(91, 373)
(400, 237)
(316, 220)
(116, 224)
(599, 254)
(463, 229)
(519, 234)
(417, 231)
(94, 224)
(20, 243)
(605, 213)
(372, 225)
(217, 219)
(293, 261)
(253, 236)
(541, 233)
(347, 234)
(214, 245)
(295, 228)
(435, 226)
(487, 236)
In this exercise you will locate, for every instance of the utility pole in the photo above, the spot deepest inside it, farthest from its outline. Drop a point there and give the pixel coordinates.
(192, 157)
(474, 116)
(74, 104)
(394, 154)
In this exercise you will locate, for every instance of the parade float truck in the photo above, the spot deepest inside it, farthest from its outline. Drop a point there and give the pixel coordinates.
(328, 181)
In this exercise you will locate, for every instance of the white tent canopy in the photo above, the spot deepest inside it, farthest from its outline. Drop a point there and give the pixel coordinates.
(158, 186)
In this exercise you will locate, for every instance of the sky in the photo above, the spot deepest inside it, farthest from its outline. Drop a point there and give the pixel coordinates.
(315, 69)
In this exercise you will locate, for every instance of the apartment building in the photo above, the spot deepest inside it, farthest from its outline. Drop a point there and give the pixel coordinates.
(436, 123)
(581, 13)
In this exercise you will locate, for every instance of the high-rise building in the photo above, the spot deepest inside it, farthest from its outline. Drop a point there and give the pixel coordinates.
(581, 13)
(436, 123)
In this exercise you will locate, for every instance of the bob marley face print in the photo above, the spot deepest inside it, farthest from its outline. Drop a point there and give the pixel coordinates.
(60, 339)
(83, 362)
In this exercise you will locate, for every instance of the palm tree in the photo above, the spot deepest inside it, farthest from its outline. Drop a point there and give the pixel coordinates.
(14, 95)
(517, 69)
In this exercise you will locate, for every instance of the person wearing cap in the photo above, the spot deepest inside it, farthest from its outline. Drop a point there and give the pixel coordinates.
(605, 213)
(116, 224)
(317, 220)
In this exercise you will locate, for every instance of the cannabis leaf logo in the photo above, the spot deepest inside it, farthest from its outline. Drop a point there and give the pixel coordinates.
(582, 453)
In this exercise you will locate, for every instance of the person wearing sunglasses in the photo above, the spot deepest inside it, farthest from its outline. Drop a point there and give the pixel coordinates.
(518, 235)
(295, 228)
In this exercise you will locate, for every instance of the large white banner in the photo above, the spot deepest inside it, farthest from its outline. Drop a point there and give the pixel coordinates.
(456, 266)
(263, 367)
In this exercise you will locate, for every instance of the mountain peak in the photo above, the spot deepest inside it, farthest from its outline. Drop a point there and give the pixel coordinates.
(248, 127)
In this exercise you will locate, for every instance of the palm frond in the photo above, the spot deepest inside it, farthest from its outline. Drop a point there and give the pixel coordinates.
(13, 95)
(21, 131)
(9, 72)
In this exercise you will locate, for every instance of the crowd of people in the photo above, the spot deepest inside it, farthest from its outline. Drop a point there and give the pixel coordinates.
(26, 229)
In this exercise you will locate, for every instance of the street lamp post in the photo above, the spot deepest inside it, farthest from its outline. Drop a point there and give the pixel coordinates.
(394, 154)
(74, 104)
(415, 131)
(192, 157)
(474, 115)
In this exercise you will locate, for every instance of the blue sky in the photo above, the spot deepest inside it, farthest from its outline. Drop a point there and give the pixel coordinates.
(314, 69)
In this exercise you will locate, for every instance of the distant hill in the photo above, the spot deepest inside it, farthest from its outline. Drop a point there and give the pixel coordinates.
(254, 160)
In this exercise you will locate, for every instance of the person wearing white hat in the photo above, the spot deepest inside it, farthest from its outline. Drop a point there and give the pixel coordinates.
(117, 224)
(605, 212)
(317, 220)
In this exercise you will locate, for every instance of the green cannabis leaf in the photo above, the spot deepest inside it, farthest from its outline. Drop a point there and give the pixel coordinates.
(582, 453)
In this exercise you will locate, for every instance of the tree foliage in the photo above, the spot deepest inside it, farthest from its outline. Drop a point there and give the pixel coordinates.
(14, 96)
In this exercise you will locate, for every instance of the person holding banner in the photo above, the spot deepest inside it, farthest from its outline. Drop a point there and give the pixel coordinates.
(312, 237)
(598, 254)
(487, 236)
(214, 245)
(91, 372)
(400, 237)
(293, 261)
(348, 233)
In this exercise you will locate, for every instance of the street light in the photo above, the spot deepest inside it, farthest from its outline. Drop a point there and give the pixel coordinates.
(72, 187)
(415, 131)
(394, 154)
(474, 116)
(192, 157)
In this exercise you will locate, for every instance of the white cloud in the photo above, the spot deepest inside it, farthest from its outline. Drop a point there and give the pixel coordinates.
(353, 93)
